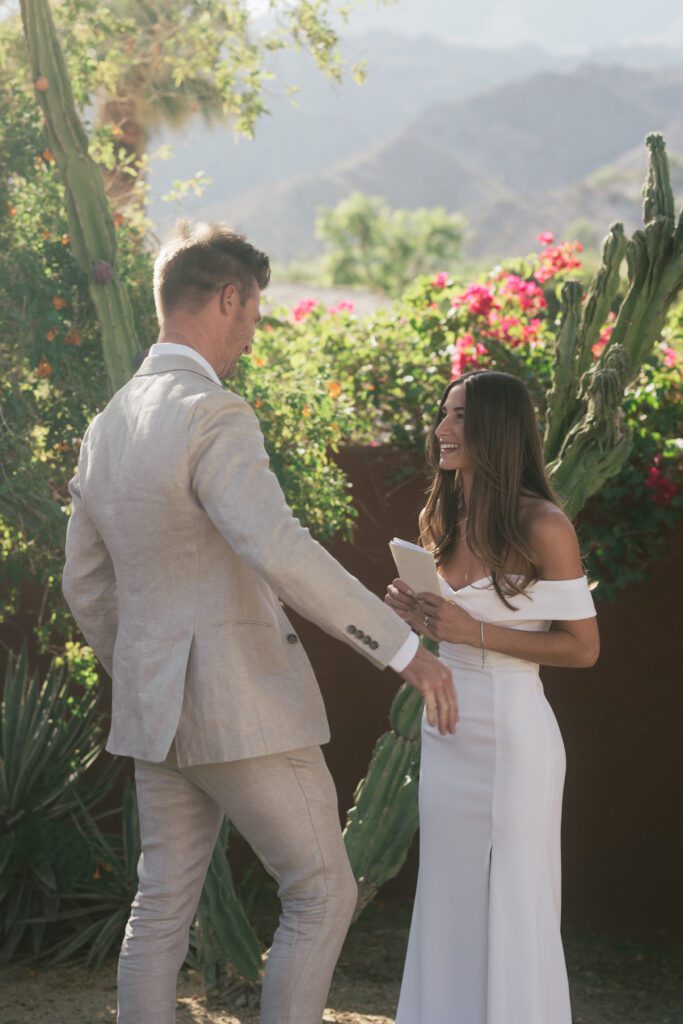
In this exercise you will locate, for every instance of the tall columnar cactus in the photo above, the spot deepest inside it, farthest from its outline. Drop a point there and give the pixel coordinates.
(383, 820)
(586, 444)
(91, 230)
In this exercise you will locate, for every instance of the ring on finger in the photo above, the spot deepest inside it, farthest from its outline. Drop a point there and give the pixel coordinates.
(427, 621)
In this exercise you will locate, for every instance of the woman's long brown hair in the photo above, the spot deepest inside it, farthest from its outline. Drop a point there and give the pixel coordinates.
(503, 440)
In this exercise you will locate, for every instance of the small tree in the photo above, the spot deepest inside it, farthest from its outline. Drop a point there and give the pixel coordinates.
(368, 243)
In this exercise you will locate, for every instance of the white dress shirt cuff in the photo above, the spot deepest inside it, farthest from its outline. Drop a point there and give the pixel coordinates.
(405, 654)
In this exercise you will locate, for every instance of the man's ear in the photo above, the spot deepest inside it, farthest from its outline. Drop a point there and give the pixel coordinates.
(228, 299)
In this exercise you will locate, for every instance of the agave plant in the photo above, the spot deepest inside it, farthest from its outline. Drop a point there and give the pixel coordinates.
(50, 735)
(94, 914)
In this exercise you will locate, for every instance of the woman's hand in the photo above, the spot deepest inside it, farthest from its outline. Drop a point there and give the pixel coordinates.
(445, 620)
(401, 598)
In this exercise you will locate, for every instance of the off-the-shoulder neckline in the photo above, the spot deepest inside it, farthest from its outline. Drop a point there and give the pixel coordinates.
(488, 579)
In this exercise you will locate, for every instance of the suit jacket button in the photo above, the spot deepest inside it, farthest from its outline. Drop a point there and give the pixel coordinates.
(374, 645)
(292, 638)
(367, 639)
(352, 630)
(360, 635)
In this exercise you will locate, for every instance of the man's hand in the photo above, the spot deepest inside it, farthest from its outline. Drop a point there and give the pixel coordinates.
(435, 682)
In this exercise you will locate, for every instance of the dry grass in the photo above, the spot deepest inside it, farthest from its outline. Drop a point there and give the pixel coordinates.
(613, 982)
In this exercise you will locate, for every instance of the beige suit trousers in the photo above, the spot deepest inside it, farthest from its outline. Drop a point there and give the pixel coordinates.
(285, 806)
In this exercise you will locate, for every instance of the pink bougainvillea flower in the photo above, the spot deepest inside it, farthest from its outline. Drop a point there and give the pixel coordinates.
(557, 258)
(441, 280)
(670, 356)
(479, 299)
(528, 293)
(342, 307)
(303, 308)
(546, 238)
(466, 355)
(605, 335)
(663, 489)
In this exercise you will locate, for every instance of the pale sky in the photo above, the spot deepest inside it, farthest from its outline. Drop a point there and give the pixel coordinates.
(558, 25)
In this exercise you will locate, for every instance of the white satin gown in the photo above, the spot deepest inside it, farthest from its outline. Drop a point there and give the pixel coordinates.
(485, 944)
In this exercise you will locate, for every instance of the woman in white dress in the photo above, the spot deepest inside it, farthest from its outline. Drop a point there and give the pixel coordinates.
(485, 944)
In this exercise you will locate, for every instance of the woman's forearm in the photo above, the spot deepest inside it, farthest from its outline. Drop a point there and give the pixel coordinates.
(557, 647)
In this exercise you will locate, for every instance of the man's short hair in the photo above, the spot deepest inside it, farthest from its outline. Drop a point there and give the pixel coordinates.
(199, 260)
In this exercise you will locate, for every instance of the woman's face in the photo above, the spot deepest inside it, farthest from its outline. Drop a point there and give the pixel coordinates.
(450, 432)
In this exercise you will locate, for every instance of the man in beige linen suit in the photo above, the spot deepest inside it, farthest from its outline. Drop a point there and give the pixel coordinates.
(179, 547)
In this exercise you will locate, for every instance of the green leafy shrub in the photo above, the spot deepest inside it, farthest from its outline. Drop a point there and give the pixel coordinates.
(385, 373)
(50, 736)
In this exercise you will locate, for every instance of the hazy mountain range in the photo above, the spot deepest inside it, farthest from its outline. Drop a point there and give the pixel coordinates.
(518, 140)
(554, 24)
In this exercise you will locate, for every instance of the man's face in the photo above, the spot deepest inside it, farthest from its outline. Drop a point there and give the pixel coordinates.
(241, 318)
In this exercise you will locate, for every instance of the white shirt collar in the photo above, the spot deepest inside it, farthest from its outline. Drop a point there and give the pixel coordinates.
(171, 348)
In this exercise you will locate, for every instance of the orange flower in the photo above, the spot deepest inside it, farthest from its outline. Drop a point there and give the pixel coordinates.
(12, 211)
(48, 156)
(58, 302)
(118, 219)
(73, 338)
(306, 411)
(43, 369)
(257, 361)
(51, 334)
(117, 132)
(334, 389)
(65, 239)
(258, 403)
(41, 84)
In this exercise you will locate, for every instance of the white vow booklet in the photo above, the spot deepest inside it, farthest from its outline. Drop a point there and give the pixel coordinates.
(416, 566)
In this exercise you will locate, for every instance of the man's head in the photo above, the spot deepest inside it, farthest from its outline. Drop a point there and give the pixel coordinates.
(207, 285)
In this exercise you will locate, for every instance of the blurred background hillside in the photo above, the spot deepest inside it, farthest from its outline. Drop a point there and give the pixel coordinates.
(537, 134)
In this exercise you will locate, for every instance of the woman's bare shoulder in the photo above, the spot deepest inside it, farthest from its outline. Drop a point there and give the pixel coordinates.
(552, 538)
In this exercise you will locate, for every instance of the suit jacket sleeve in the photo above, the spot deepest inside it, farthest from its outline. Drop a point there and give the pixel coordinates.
(232, 479)
(88, 581)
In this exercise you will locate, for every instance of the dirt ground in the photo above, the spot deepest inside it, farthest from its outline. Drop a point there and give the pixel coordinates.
(612, 982)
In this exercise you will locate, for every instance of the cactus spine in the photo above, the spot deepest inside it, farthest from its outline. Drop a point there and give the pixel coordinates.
(585, 445)
(91, 230)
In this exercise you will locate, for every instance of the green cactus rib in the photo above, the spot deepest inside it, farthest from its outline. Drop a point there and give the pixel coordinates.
(91, 229)
(563, 393)
(586, 444)
(383, 820)
(655, 264)
(406, 712)
(600, 296)
(224, 935)
(598, 445)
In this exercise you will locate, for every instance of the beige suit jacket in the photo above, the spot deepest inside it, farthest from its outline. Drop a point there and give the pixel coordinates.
(179, 546)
